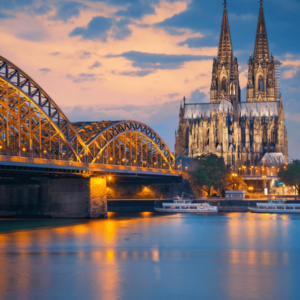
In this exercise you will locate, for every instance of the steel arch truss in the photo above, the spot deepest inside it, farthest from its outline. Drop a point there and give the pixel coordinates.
(130, 143)
(31, 124)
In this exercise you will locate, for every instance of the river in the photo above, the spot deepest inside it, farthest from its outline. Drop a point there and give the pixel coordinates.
(141, 256)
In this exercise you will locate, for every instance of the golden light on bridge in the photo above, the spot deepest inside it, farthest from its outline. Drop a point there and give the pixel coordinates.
(99, 143)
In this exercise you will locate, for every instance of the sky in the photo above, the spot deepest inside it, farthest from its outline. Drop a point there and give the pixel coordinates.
(137, 59)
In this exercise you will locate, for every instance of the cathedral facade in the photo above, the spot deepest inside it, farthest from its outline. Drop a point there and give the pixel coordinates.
(241, 132)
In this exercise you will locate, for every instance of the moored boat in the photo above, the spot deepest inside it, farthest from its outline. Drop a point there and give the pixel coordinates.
(181, 205)
(276, 205)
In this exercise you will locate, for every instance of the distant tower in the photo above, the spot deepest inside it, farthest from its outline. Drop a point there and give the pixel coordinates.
(261, 85)
(225, 73)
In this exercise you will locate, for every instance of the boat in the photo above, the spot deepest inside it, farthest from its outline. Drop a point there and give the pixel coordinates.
(277, 206)
(181, 205)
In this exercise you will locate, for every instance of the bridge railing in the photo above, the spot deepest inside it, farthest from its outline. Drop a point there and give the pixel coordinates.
(44, 162)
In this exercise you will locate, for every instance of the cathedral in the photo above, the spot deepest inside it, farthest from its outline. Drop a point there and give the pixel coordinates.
(241, 132)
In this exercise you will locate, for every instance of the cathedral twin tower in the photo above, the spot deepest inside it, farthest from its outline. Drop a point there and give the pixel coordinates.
(241, 132)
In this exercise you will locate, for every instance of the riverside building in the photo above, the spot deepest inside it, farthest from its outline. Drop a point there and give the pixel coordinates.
(241, 132)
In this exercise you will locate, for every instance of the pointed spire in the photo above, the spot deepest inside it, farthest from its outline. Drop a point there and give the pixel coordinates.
(225, 46)
(261, 49)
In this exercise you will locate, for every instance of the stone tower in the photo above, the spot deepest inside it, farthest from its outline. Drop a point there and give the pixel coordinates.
(225, 73)
(261, 74)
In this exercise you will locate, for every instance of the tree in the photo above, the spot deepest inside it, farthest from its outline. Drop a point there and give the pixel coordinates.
(235, 182)
(290, 175)
(211, 172)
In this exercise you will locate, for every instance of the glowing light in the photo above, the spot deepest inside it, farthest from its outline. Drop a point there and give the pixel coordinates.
(24, 149)
(110, 255)
(109, 178)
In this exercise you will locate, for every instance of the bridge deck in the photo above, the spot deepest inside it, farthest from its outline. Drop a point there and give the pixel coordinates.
(61, 166)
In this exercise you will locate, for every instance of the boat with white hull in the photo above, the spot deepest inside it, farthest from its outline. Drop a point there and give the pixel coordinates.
(180, 205)
(277, 206)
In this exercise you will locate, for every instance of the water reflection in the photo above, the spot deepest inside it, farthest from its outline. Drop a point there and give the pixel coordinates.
(252, 266)
(230, 256)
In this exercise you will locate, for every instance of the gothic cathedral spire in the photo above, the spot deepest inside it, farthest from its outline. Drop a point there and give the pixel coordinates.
(225, 46)
(225, 74)
(261, 74)
(261, 48)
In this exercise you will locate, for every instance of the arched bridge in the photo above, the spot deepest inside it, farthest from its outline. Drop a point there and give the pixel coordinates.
(35, 135)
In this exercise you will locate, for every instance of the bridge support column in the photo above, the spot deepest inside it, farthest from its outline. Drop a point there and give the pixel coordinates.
(97, 197)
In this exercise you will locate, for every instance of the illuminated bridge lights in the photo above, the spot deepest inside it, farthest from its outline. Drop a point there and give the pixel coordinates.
(33, 126)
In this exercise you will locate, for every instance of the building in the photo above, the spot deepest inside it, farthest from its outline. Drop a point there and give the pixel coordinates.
(241, 132)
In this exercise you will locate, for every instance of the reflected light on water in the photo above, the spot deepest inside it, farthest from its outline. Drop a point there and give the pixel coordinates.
(248, 237)
(155, 255)
(227, 256)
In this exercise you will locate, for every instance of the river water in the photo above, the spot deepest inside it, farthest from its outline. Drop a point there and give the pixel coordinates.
(150, 256)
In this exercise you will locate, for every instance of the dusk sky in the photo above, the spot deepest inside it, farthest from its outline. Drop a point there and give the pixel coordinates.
(137, 59)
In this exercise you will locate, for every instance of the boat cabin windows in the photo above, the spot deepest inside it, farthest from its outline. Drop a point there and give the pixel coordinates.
(297, 207)
(289, 207)
(280, 207)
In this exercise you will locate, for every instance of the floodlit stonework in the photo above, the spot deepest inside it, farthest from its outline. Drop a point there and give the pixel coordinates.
(241, 132)
(97, 197)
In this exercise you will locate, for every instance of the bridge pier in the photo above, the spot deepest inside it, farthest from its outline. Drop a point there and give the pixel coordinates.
(54, 198)
(97, 197)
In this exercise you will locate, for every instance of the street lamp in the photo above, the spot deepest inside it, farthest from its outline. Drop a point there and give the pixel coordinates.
(234, 175)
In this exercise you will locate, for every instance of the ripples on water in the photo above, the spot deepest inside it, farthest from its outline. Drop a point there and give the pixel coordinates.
(150, 256)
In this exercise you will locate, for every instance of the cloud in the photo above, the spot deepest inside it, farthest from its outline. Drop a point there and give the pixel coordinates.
(140, 73)
(55, 53)
(6, 16)
(163, 118)
(15, 4)
(96, 64)
(45, 70)
(134, 9)
(156, 61)
(173, 95)
(68, 9)
(84, 55)
(199, 42)
(43, 9)
(98, 29)
(34, 36)
(198, 97)
(83, 77)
